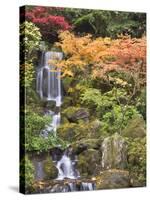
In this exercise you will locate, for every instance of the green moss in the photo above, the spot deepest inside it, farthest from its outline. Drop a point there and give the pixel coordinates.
(113, 178)
(89, 163)
(135, 128)
(73, 132)
(76, 114)
(50, 169)
(84, 144)
(26, 173)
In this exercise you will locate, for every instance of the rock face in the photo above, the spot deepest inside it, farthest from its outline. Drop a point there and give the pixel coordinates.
(88, 163)
(135, 128)
(114, 152)
(113, 178)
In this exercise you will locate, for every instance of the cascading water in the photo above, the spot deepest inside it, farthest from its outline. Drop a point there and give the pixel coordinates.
(49, 78)
(66, 168)
(49, 86)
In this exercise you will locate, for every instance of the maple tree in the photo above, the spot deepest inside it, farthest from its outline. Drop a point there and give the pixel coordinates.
(48, 23)
(100, 56)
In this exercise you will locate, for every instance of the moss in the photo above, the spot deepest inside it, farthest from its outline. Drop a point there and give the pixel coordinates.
(135, 128)
(75, 114)
(50, 169)
(89, 163)
(113, 178)
(114, 152)
(74, 132)
(84, 144)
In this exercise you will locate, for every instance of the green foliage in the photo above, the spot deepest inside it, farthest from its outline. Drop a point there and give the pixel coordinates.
(141, 103)
(35, 123)
(26, 74)
(50, 169)
(136, 127)
(41, 144)
(116, 119)
(137, 160)
(30, 38)
(94, 22)
(26, 173)
(112, 110)
(110, 23)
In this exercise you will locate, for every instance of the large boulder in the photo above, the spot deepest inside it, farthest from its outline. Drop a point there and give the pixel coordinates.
(135, 128)
(50, 169)
(89, 163)
(84, 144)
(74, 132)
(75, 114)
(113, 178)
(114, 152)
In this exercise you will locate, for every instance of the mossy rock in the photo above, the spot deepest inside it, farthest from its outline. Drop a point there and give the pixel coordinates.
(67, 101)
(50, 169)
(135, 128)
(111, 179)
(73, 132)
(114, 152)
(68, 131)
(89, 163)
(74, 114)
(86, 144)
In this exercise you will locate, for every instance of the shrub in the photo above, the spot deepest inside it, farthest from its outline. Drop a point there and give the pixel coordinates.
(30, 38)
(137, 160)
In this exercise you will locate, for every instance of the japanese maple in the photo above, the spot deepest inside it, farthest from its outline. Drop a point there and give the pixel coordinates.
(48, 23)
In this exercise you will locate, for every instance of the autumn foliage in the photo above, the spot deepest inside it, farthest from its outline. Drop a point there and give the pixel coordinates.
(102, 55)
(48, 23)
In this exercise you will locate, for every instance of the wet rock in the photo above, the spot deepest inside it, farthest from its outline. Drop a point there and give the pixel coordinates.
(114, 152)
(67, 185)
(89, 163)
(135, 128)
(113, 178)
(50, 169)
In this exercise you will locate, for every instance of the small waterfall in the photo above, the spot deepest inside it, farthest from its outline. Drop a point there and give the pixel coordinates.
(49, 78)
(53, 124)
(87, 186)
(39, 173)
(66, 168)
(48, 86)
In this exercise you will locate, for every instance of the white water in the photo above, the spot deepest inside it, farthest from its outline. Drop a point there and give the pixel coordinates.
(48, 87)
(87, 186)
(53, 125)
(65, 168)
(49, 78)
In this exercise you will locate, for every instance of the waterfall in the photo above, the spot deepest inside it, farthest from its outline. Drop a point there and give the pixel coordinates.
(87, 186)
(52, 126)
(66, 168)
(49, 78)
(48, 86)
